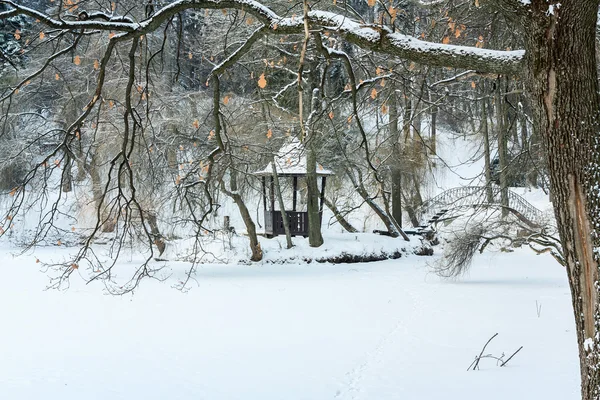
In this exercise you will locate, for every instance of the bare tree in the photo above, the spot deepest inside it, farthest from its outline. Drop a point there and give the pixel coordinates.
(558, 66)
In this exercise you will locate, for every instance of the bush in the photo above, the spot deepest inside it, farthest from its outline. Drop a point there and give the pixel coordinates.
(459, 253)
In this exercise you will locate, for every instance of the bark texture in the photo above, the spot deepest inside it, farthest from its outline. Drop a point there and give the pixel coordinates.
(502, 147)
(563, 84)
(315, 238)
(396, 172)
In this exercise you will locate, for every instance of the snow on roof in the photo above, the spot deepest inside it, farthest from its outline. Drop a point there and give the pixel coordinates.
(290, 160)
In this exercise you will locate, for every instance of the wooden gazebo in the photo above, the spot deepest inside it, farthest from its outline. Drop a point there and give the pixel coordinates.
(290, 162)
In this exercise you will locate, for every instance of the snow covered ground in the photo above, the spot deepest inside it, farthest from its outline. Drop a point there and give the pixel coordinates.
(385, 330)
(224, 248)
(294, 330)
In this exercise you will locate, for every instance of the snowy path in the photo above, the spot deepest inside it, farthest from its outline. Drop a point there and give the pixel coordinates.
(388, 330)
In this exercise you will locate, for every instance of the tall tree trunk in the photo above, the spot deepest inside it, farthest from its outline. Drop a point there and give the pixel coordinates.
(255, 247)
(511, 111)
(563, 82)
(523, 126)
(419, 149)
(396, 167)
(486, 153)
(433, 131)
(502, 148)
(284, 216)
(315, 238)
(413, 198)
(407, 116)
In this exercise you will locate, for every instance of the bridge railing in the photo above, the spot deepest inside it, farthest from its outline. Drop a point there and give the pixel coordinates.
(476, 196)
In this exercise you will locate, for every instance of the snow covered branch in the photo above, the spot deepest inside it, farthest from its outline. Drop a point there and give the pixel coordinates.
(111, 24)
(369, 37)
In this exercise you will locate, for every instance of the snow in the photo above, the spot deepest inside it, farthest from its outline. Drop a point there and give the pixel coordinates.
(371, 35)
(406, 46)
(415, 45)
(552, 7)
(288, 329)
(459, 162)
(291, 160)
(588, 344)
(383, 330)
(291, 327)
(222, 249)
(116, 25)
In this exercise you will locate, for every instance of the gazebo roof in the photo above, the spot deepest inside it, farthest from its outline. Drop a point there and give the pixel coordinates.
(290, 160)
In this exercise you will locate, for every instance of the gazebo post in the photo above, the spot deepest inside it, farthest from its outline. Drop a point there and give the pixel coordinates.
(274, 219)
(295, 193)
(272, 194)
(323, 178)
(264, 192)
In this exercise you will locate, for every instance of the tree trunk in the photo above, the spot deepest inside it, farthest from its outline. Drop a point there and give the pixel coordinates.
(486, 153)
(339, 217)
(433, 131)
(417, 138)
(315, 239)
(257, 253)
(396, 167)
(255, 248)
(284, 217)
(413, 199)
(159, 239)
(397, 196)
(523, 126)
(67, 177)
(105, 219)
(385, 218)
(406, 119)
(510, 111)
(412, 215)
(502, 148)
(563, 83)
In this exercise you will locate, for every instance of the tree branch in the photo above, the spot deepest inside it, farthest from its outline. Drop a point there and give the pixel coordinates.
(369, 37)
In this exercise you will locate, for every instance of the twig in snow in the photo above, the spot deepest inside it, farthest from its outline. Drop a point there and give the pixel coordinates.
(509, 358)
(475, 364)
